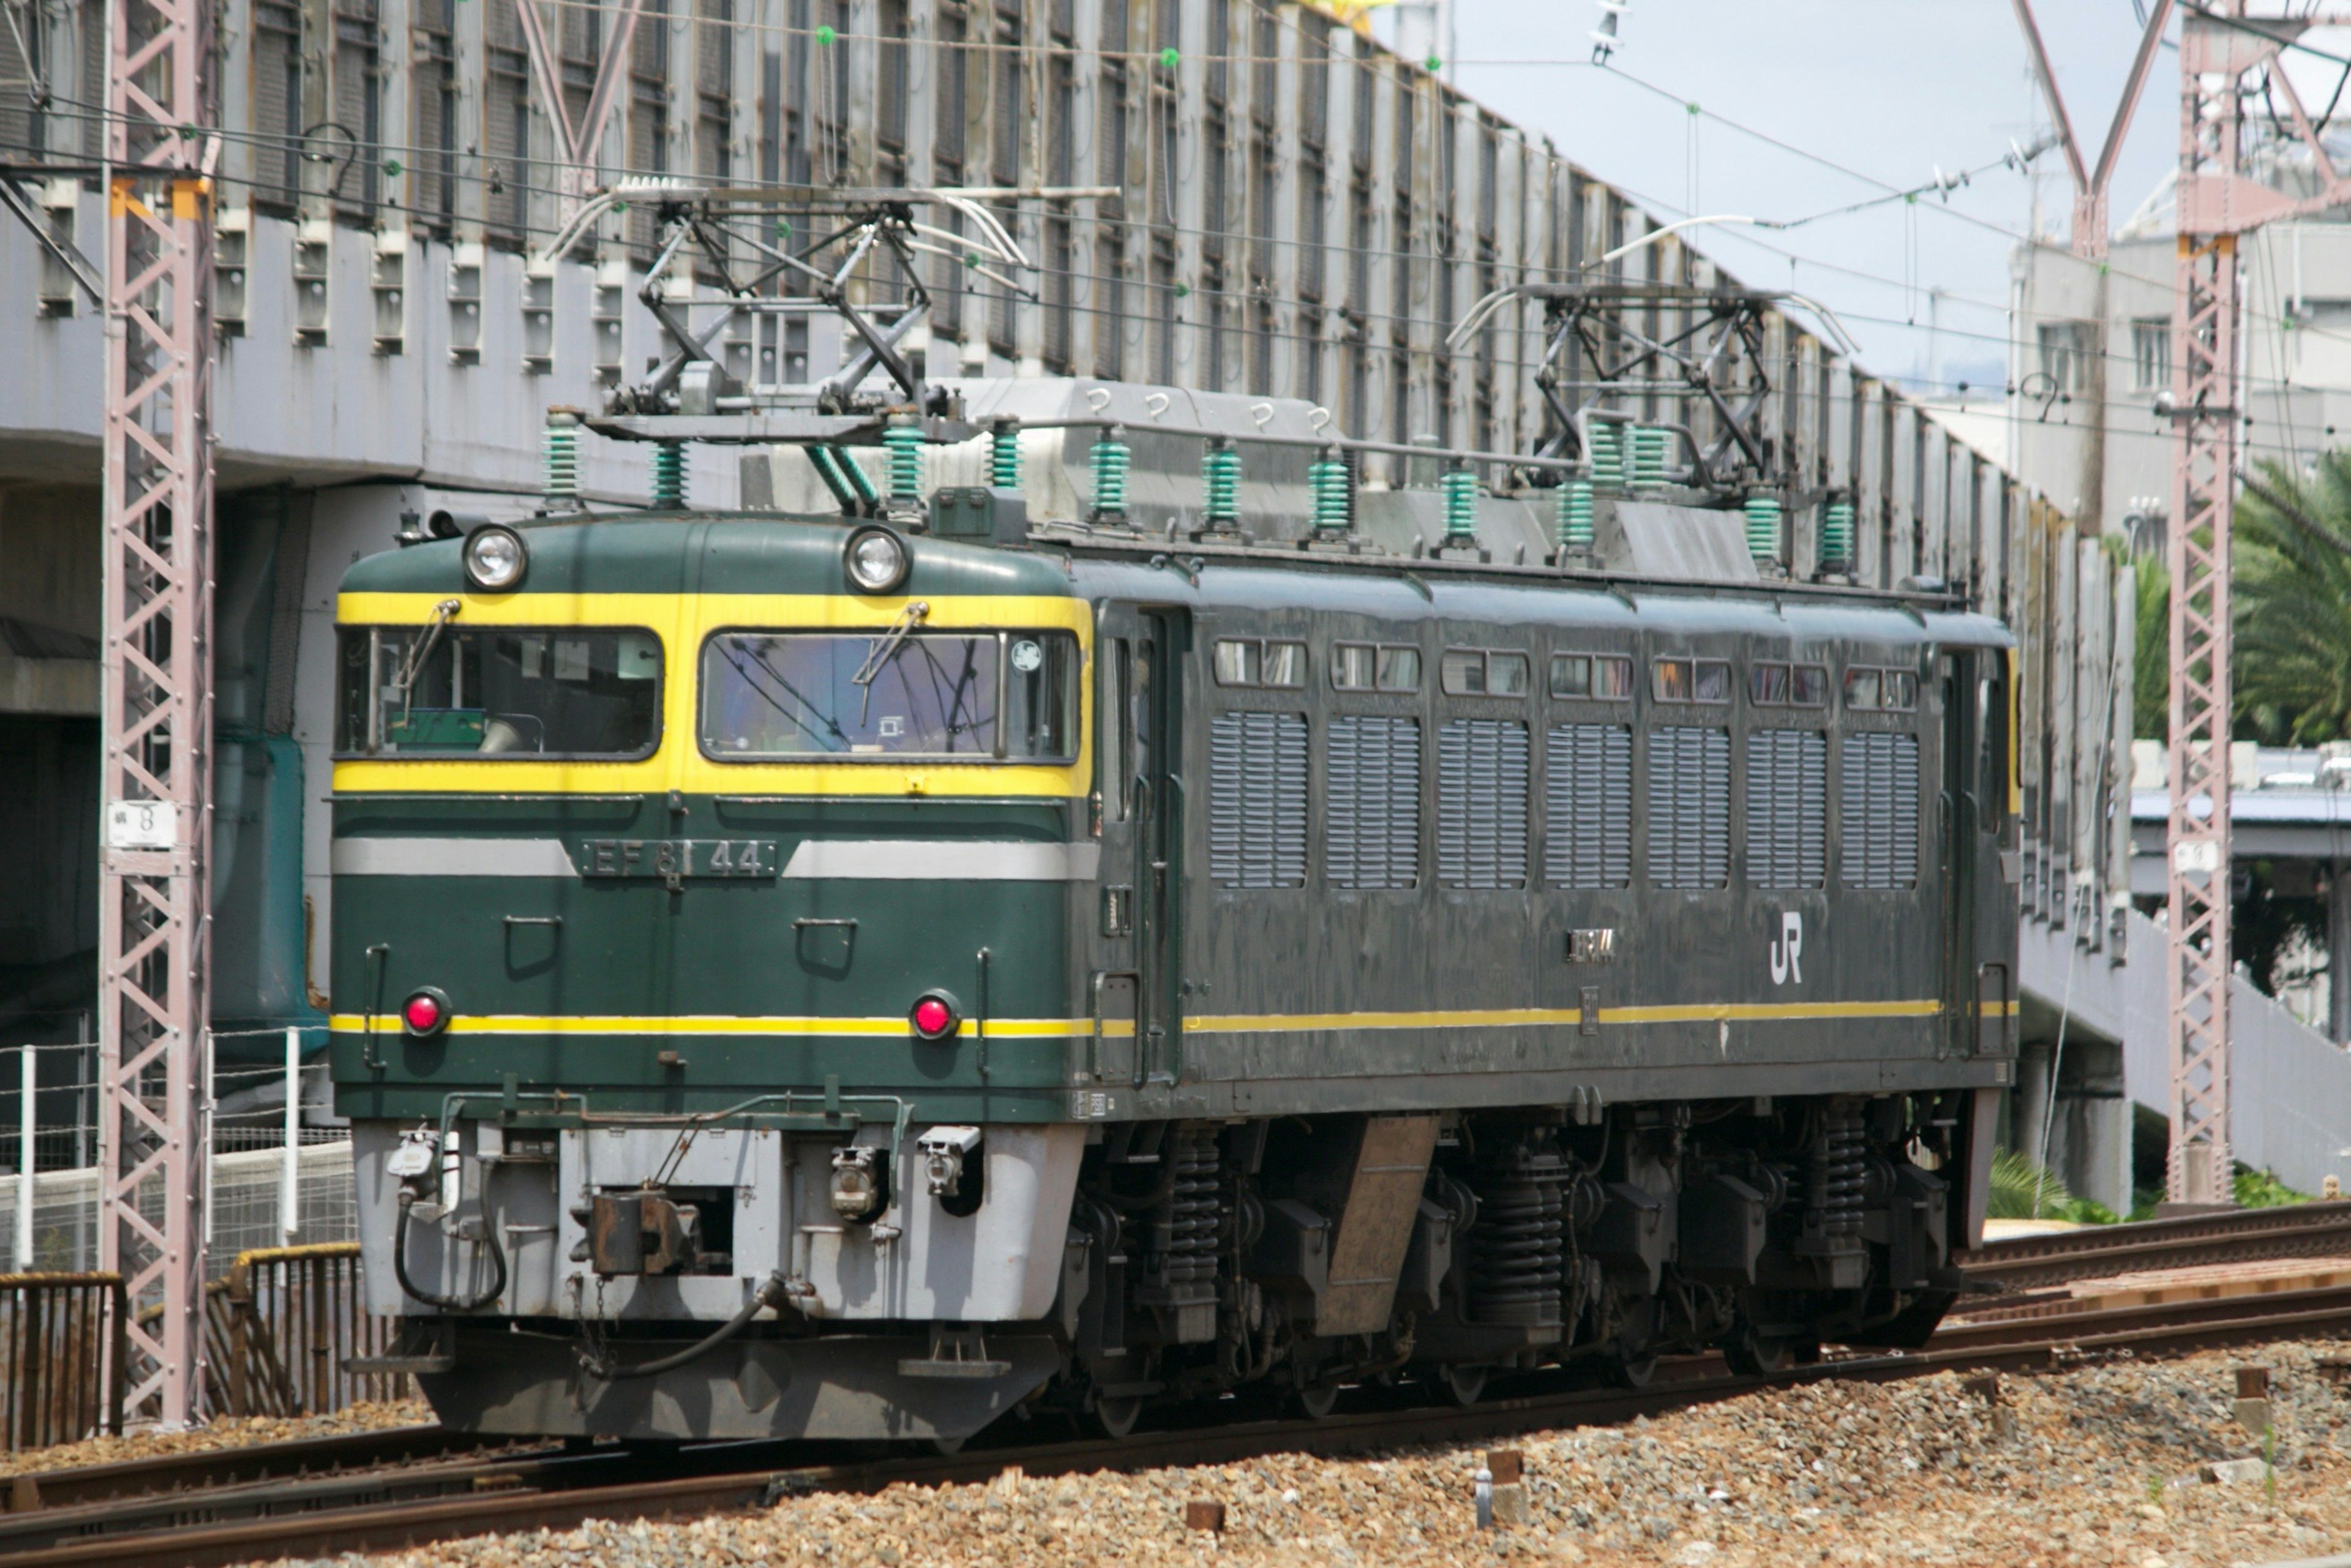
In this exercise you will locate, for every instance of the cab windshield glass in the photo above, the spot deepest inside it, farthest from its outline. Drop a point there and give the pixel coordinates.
(977, 696)
(443, 691)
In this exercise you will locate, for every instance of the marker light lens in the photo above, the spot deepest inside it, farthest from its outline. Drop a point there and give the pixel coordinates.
(424, 1013)
(495, 558)
(876, 559)
(934, 1020)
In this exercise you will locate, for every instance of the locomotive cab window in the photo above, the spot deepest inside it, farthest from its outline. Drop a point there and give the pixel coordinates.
(443, 691)
(965, 696)
(1872, 690)
(1690, 681)
(1255, 661)
(1486, 673)
(1603, 677)
(1775, 684)
(1374, 667)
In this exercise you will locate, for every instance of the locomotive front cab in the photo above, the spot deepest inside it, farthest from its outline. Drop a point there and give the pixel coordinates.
(700, 906)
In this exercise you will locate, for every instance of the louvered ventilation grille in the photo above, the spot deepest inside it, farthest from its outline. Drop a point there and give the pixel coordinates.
(1373, 835)
(1482, 804)
(1787, 807)
(1257, 799)
(1588, 805)
(1881, 811)
(1689, 807)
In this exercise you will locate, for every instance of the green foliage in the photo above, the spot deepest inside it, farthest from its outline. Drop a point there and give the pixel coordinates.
(2292, 578)
(2151, 653)
(2022, 1190)
(2258, 1189)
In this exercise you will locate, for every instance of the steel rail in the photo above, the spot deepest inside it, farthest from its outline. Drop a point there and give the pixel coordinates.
(513, 1505)
(2294, 1230)
(84, 1484)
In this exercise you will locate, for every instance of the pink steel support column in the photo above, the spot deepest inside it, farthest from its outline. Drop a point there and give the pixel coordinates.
(156, 712)
(2204, 392)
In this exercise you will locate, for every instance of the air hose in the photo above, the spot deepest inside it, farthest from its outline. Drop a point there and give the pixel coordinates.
(447, 1304)
(770, 1294)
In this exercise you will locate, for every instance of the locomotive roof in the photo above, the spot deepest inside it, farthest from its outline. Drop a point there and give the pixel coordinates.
(753, 554)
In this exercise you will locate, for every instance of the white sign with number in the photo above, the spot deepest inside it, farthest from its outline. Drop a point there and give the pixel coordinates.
(141, 825)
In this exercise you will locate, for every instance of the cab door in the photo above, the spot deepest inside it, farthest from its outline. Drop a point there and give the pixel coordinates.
(1138, 989)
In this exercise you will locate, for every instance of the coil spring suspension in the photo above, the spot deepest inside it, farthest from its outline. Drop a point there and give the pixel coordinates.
(1189, 1222)
(1836, 1173)
(1516, 1243)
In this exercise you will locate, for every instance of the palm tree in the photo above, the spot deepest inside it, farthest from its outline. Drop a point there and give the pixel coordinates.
(2291, 579)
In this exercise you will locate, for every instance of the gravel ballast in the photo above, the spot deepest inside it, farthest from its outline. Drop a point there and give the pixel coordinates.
(2102, 1464)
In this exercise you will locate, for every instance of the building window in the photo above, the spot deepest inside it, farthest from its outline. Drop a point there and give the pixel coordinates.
(2066, 350)
(2151, 354)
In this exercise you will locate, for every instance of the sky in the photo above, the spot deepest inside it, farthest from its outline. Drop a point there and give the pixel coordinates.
(1888, 90)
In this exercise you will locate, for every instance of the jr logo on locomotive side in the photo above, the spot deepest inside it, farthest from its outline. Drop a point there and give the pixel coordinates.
(1787, 948)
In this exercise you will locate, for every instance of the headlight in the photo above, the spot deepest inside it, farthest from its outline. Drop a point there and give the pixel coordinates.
(877, 559)
(496, 558)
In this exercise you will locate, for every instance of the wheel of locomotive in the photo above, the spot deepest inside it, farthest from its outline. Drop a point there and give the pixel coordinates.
(1116, 1417)
(1754, 1354)
(948, 1445)
(1632, 1366)
(1319, 1402)
(1464, 1385)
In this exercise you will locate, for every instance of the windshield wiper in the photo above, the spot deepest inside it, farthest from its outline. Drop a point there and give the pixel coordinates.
(884, 651)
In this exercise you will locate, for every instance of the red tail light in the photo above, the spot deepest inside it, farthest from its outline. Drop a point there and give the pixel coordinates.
(933, 1017)
(426, 1012)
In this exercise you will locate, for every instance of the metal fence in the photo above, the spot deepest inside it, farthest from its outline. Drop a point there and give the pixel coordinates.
(60, 1358)
(281, 1324)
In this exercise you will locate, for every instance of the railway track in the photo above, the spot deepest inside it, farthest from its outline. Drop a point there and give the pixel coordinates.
(256, 1505)
(2098, 1252)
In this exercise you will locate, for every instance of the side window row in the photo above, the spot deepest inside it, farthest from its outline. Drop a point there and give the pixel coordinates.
(1486, 779)
(1280, 665)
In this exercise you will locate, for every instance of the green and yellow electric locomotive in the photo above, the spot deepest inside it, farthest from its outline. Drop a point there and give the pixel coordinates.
(816, 976)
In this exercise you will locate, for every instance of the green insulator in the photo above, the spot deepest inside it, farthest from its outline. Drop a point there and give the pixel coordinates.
(669, 475)
(1331, 483)
(1763, 528)
(1576, 515)
(1004, 456)
(904, 445)
(1836, 536)
(1221, 486)
(562, 455)
(1651, 442)
(1461, 489)
(1607, 454)
(1109, 461)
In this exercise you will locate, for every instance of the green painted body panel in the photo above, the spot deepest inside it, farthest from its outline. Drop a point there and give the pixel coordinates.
(738, 555)
(630, 948)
